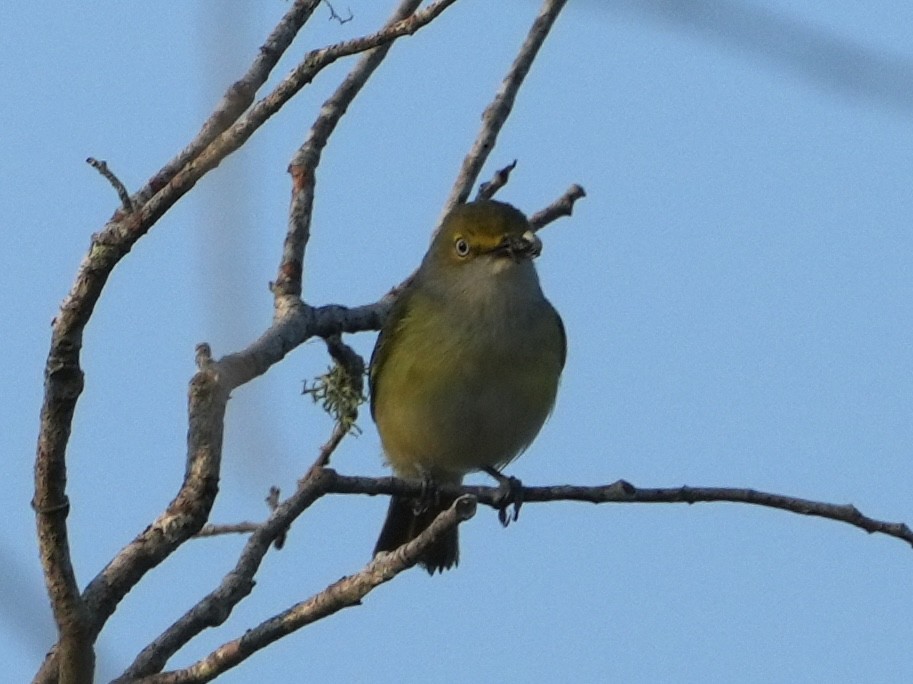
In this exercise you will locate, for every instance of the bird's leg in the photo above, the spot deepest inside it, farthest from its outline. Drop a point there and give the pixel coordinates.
(430, 496)
(510, 492)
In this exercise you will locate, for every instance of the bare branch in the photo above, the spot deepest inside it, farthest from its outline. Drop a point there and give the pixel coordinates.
(337, 17)
(497, 112)
(167, 188)
(328, 481)
(183, 517)
(272, 500)
(305, 161)
(102, 168)
(326, 451)
(214, 530)
(51, 507)
(349, 591)
(238, 97)
(297, 324)
(63, 374)
(186, 515)
(563, 206)
(62, 387)
(209, 392)
(624, 492)
(215, 608)
(294, 322)
(332, 318)
(488, 189)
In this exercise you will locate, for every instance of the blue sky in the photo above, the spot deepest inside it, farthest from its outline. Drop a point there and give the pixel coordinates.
(737, 289)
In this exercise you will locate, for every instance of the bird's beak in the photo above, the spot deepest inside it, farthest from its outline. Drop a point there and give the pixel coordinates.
(517, 247)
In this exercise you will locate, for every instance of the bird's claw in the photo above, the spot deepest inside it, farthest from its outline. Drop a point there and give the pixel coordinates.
(429, 498)
(510, 493)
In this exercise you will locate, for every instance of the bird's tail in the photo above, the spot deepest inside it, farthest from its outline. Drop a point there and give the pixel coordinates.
(408, 518)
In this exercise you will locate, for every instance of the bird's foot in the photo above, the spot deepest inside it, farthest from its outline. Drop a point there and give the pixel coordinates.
(430, 497)
(510, 493)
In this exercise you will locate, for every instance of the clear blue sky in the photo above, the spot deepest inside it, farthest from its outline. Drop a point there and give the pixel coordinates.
(736, 289)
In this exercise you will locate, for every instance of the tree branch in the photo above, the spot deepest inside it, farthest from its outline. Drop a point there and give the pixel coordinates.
(210, 389)
(563, 206)
(624, 492)
(209, 392)
(121, 190)
(63, 384)
(82, 617)
(216, 530)
(304, 163)
(235, 136)
(215, 608)
(348, 591)
(238, 97)
(497, 112)
(64, 378)
(488, 189)
(338, 17)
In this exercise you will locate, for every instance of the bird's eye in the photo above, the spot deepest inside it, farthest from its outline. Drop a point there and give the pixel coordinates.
(461, 247)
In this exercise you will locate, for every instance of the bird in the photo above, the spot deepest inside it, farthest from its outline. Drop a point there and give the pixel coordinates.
(466, 367)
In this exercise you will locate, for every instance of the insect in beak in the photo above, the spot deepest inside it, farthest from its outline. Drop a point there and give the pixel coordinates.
(517, 247)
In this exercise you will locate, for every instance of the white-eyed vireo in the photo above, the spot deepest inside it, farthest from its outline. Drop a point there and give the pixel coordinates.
(466, 368)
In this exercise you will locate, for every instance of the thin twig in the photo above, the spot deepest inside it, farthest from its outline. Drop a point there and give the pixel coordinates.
(304, 163)
(183, 179)
(239, 95)
(349, 591)
(213, 530)
(348, 359)
(624, 492)
(272, 501)
(497, 112)
(327, 449)
(120, 188)
(209, 392)
(337, 17)
(214, 609)
(563, 206)
(488, 189)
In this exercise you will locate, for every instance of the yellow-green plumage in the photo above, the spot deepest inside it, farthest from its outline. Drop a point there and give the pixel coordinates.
(466, 368)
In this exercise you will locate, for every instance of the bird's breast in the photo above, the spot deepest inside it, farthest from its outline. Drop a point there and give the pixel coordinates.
(469, 384)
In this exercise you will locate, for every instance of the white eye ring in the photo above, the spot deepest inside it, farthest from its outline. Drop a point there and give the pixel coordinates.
(461, 247)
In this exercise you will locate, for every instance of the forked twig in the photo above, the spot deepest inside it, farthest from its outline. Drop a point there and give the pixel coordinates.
(497, 112)
(349, 591)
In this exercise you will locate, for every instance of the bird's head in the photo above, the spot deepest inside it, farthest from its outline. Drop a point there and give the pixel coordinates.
(486, 231)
